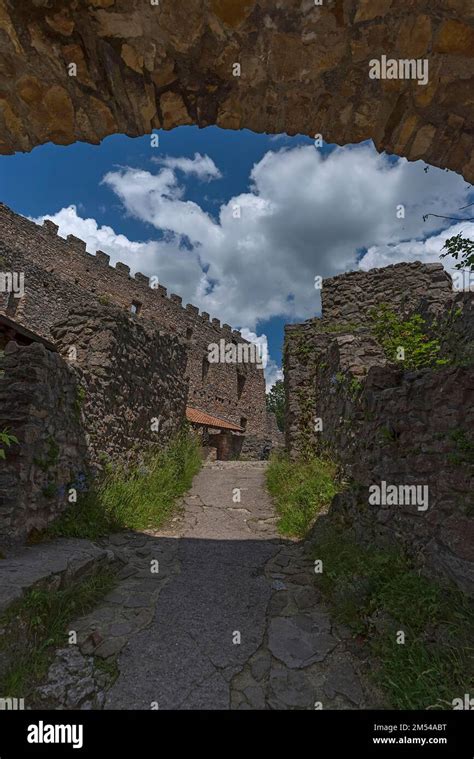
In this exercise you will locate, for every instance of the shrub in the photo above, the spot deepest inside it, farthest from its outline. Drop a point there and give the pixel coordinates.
(6, 439)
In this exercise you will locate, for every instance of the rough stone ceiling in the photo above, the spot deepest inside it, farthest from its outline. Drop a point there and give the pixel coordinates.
(304, 69)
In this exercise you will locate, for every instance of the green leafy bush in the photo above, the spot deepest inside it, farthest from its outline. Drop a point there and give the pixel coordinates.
(461, 248)
(275, 399)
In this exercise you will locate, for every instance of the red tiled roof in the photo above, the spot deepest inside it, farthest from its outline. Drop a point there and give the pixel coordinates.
(200, 417)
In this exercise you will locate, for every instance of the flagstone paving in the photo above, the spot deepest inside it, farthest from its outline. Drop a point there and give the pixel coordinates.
(217, 611)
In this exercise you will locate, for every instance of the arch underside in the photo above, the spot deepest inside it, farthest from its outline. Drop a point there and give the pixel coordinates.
(304, 69)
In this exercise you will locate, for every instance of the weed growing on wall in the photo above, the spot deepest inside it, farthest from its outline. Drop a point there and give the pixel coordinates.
(51, 457)
(6, 440)
(404, 339)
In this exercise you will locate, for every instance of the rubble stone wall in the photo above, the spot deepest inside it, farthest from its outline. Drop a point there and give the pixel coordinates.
(406, 429)
(132, 378)
(39, 405)
(115, 389)
(384, 423)
(304, 69)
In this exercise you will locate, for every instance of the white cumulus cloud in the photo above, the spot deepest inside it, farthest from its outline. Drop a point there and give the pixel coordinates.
(304, 215)
(201, 166)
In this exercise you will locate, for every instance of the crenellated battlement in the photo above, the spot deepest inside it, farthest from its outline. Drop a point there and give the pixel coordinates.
(61, 276)
(18, 230)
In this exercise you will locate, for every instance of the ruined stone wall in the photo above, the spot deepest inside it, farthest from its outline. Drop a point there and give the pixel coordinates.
(132, 378)
(405, 287)
(302, 351)
(457, 340)
(346, 304)
(304, 69)
(115, 390)
(39, 405)
(61, 274)
(382, 423)
(274, 433)
(404, 428)
(253, 447)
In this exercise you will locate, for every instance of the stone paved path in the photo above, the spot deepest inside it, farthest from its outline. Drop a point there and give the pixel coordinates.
(233, 574)
(224, 575)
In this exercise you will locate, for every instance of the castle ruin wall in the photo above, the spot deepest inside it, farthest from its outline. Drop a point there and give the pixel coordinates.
(233, 391)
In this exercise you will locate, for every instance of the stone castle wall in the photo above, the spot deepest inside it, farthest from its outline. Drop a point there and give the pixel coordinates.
(38, 404)
(121, 392)
(132, 378)
(349, 297)
(235, 392)
(404, 428)
(382, 423)
(346, 304)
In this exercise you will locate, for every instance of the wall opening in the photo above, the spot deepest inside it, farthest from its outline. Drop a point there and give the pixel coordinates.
(240, 384)
(204, 369)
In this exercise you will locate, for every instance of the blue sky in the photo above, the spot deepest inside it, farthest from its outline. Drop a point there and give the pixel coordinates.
(305, 212)
(53, 176)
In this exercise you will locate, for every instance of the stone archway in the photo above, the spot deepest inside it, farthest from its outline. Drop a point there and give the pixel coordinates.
(146, 64)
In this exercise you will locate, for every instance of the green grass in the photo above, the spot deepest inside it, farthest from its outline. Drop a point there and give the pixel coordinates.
(137, 500)
(300, 489)
(436, 662)
(37, 625)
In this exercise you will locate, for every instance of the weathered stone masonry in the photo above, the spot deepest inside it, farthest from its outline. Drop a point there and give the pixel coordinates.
(346, 303)
(304, 69)
(383, 423)
(60, 273)
(123, 393)
(38, 403)
(134, 388)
